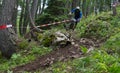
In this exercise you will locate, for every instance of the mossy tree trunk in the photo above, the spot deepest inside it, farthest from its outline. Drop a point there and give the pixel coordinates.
(7, 45)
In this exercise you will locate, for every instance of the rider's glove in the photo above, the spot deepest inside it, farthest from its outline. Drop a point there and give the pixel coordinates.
(70, 13)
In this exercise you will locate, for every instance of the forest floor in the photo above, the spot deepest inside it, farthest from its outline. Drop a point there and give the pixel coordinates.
(60, 54)
(57, 55)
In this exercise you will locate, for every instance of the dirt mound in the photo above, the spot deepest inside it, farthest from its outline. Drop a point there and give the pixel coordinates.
(59, 54)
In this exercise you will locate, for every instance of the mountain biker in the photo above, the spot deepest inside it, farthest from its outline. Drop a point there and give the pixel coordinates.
(77, 15)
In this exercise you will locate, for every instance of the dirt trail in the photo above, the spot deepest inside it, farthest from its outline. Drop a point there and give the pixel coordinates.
(60, 54)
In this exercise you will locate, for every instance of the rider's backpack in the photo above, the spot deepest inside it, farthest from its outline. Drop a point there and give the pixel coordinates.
(77, 13)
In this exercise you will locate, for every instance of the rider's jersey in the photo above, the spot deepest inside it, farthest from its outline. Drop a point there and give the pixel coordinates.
(77, 13)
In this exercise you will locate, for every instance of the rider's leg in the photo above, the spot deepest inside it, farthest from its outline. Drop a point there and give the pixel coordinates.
(72, 24)
(65, 26)
(76, 24)
(77, 20)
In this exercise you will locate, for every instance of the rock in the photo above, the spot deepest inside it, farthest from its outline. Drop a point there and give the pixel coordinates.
(61, 39)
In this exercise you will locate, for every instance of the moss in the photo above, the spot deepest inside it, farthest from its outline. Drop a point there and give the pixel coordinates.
(22, 45)
(47, 40)
(39, 36)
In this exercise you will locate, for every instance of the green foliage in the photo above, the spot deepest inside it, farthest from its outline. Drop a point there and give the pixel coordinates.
(103, 60)
(115, 68)
(97, 30)
(40, 50)
(60, 67)
(81, 27)
(39, 36)
(83, 49)
(104, 17)
(115, 22)
(112, 44)
(97, 62)
(17, 59)
(47, 40)
(55, 7)
(23, 57)
(99, 27)
(15, 56)
(54, 12)
(106, 59)
(80, 65)
(22, 45)
(49, 37)
(45, 18)
(118, 10)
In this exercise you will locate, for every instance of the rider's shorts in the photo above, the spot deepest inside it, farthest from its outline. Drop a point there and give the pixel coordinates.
(75, 20)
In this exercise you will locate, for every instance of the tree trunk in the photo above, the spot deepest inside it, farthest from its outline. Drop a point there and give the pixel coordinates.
(74, 3)
(67, 7)
(114, 8)
(7, 44)
(84, 7)
(21, 18)
(43, 6)
(38, 9)
(87, 8)
(14, 16)
(0, 6)
(26, 17)
(34, 8)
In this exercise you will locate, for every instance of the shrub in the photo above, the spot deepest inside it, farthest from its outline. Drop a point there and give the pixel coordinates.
(97, 30)
(112, 45)
(45, 18)
(22, 45)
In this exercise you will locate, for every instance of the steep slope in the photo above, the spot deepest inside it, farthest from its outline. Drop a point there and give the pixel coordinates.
(93, 32)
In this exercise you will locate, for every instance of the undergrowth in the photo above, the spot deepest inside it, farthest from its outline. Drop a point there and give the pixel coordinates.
(105, 59)
(23, 57)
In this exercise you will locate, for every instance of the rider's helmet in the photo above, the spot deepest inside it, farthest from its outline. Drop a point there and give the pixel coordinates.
(77, 7)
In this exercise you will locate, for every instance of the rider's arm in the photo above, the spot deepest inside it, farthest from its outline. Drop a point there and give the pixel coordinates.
(73, 10)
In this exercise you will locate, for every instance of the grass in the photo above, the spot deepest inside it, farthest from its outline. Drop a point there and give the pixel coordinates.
(22, 57)
(105, 59)
(98, 61)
